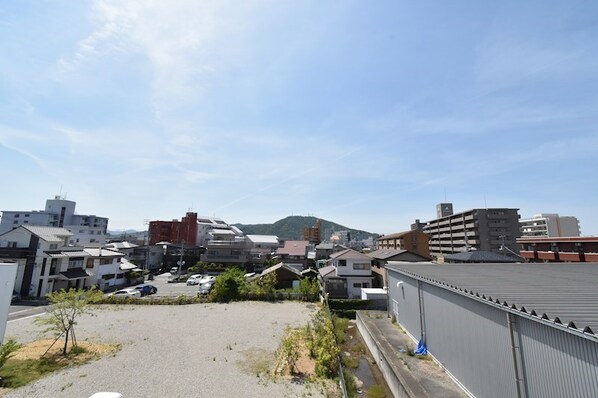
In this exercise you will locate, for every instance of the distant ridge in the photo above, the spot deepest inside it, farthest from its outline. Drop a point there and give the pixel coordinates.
(291, 228)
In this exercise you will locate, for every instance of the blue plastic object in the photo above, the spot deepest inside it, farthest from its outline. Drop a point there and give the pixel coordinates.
(421, 349)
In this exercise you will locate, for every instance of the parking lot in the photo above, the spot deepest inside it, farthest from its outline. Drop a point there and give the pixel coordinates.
(166, 289)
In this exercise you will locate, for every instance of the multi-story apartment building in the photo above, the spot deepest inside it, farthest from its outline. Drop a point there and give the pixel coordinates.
(313, 234)
(414, 241)
(559, 249)
(174, 231)
(550, 225)
(481, 229)
(60, 213)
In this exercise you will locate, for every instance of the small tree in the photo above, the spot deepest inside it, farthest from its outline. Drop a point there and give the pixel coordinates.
(309, 287)
(230, 285)
(66, 306)
(7, 350)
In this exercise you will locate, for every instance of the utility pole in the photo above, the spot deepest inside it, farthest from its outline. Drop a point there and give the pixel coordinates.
(147, 254)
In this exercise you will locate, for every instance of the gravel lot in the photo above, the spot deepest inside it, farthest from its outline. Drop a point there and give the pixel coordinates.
(202, 350)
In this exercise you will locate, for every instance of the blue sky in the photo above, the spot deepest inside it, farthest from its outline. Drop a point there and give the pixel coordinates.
(363, 113)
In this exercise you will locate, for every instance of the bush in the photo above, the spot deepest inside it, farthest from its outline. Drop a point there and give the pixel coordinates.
(7, 349)
(230, 285)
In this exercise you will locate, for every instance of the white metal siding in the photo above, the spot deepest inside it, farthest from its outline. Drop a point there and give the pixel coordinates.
(557, 363)
(471, 340)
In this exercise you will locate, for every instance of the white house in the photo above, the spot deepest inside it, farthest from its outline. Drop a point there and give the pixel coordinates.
(38, 270)
(106, 268)
(347, 273)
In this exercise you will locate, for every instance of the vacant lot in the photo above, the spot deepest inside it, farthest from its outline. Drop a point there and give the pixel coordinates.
(207, 350)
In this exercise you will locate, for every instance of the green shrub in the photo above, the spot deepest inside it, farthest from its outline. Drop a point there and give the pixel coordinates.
(230, 285)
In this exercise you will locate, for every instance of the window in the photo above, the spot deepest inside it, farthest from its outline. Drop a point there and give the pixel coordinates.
(15, 222)
(53, 246)
(75, 262)
(89, 263)
(104, 261)
(365, 284)
(342, 263)
(357, 284)
(16, 215)
(361, 266)
(26, 215)
(108, 277)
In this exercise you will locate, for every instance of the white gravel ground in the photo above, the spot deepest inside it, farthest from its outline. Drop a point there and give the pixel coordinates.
(176, 351)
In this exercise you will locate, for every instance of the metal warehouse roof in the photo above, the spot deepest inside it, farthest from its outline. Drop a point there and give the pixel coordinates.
(565, 293)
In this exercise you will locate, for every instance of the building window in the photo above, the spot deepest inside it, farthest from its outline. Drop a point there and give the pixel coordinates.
(75, 262)
(357, 284)
(15, 222)
(16, 215)
(361, 266)
(26, 215)
(108, 277)
(342, 263)
(53, 246)
(89, 263)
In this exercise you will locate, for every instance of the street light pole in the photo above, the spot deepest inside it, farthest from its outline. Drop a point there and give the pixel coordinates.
(147, 254)
(181, 262)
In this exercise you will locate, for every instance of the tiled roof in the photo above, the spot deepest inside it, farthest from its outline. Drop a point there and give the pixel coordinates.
(327, 271)
(270, 239)
(294, 248)
(564, 293)
(350, 254)
(49, 234)
(395, 236)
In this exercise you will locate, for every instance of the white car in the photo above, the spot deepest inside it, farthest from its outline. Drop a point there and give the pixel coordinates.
(206, 279)
(194, 279)
(126, 293)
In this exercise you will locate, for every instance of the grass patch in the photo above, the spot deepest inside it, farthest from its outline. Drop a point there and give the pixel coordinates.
(340, 325)
(376, 391)
(28, 365)
(351, 361)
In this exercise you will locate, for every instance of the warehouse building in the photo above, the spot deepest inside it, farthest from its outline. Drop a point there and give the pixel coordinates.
(504, 330)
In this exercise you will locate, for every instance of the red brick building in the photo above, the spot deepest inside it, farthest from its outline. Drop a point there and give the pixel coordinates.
(559, 249)
(175, 231)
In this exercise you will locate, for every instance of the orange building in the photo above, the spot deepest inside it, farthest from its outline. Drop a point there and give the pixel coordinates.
(313, 234)
(413, 241)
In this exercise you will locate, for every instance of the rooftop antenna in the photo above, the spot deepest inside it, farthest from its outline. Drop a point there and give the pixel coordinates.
(60, 193)
(485, 203)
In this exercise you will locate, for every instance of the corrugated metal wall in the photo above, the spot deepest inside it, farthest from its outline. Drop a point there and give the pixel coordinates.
(471, 339)
(557, 363)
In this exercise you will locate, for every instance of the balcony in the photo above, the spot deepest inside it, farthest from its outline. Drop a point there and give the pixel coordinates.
(569, 256)
(547, 256)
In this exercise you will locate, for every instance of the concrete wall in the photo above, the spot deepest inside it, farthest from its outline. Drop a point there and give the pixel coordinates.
(8, 273)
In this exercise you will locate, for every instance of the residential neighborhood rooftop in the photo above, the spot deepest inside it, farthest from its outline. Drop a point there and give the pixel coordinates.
(49, 234)
(350, 254)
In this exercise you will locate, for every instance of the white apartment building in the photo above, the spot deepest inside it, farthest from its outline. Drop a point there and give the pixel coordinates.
(550, 225)
(60, 213)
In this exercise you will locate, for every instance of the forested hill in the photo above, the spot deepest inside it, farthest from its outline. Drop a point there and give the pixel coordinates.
(291, 228)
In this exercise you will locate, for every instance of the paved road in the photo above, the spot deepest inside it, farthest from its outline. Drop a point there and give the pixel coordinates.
(24, 310)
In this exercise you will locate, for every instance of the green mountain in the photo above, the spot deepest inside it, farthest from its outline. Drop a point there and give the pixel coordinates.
(291, 228)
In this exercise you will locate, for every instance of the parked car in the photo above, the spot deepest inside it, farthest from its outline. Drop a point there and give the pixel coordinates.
(174, 270)
(126, 293)
(206, 288)
(146, 290)
(194, 279)
(206, 279)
